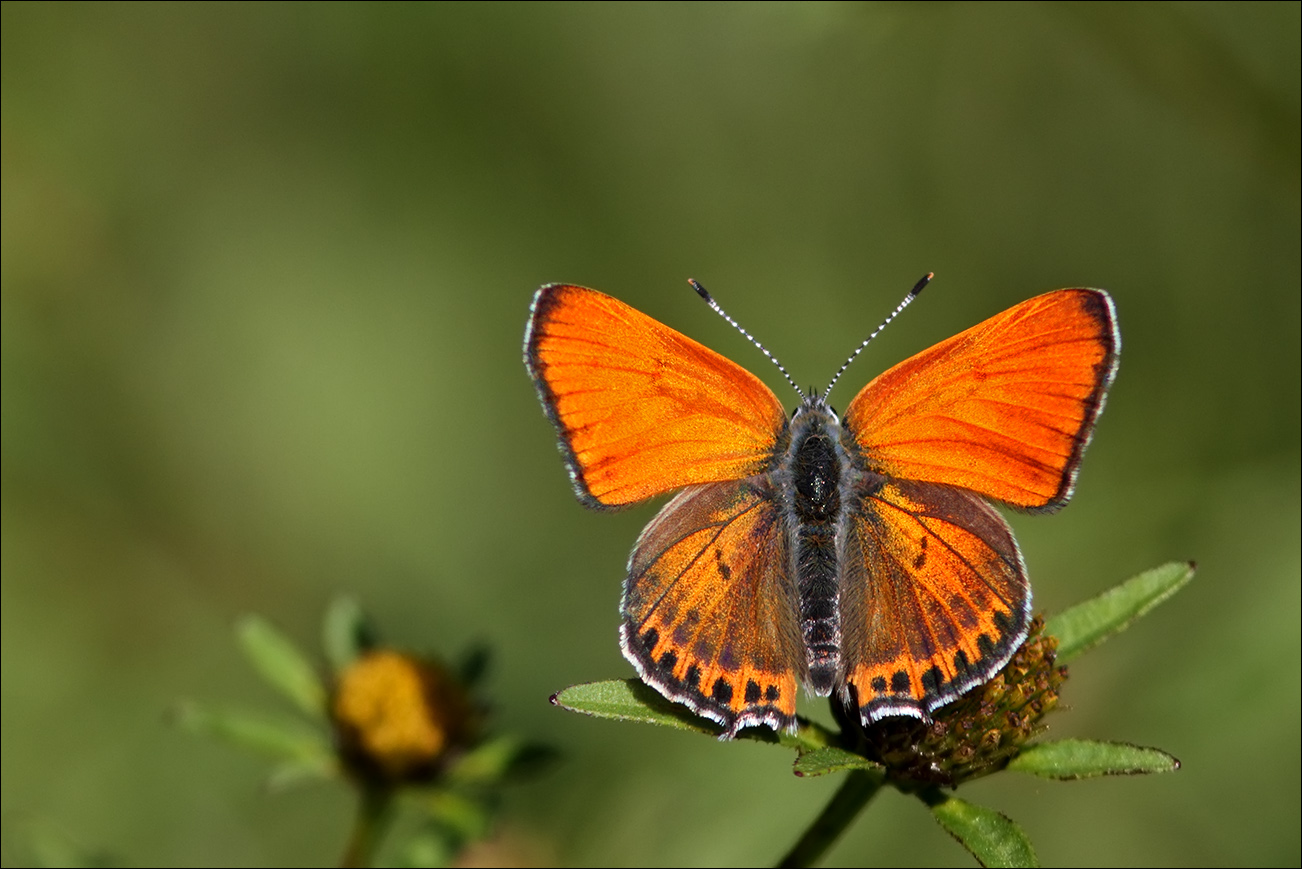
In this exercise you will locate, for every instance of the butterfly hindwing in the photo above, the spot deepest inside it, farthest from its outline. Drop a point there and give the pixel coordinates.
(1004, 409)
(934, 596)
(641, 409)
(710, 607)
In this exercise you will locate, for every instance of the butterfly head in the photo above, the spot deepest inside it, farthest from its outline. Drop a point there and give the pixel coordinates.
(813, 403)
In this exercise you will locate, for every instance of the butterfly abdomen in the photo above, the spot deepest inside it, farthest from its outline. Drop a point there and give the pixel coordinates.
(813, 476)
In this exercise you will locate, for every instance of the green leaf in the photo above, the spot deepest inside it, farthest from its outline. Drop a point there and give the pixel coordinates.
(473, 665)
(1087, 624)
(1084, 758)
(498, 759)
(345, 633)
(40, 843)
(462, 815)
(631, 700)
(287, 740)
(821, 761)
(431, 846)
(281, 663)
(991, 837)
(302, 771)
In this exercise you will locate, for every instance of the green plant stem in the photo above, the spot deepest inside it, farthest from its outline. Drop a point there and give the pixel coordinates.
(372, 816)
(858, 788)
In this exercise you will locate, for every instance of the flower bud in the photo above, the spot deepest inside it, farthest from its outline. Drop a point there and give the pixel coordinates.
(980, 732)
(398, 718)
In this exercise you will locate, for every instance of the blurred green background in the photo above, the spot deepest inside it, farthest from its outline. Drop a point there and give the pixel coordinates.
(266, 269)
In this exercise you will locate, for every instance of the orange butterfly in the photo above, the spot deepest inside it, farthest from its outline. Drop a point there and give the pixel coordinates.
(861, 554)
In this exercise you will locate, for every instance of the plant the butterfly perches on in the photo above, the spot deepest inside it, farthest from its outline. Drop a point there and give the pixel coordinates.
(989, 729)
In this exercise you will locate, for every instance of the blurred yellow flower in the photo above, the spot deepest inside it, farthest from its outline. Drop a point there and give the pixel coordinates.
(398, 717)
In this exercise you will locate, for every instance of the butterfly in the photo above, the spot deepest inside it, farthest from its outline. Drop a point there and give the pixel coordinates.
(858, 554)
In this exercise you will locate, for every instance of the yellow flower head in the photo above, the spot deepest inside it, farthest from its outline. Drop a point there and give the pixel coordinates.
(397, 717)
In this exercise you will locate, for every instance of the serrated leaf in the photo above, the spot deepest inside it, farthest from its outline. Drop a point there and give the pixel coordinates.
(631, 700)
(287, 740)
(1085, 758)
(809, 736)
(829, 759)
(1087, 624)
(989, 836)
(283, 666)
(345, 633)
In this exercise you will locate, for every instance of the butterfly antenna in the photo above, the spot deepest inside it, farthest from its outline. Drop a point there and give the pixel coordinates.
(709, 300)
(913, 294)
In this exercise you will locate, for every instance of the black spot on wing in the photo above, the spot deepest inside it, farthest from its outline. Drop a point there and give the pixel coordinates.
(960, 664)
(724, 570)
(649, 639)
(722, 690)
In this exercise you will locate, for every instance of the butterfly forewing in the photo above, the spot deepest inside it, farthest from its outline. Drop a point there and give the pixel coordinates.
(934, 597)
(1004, 409)
(710, 608)
(641, 409)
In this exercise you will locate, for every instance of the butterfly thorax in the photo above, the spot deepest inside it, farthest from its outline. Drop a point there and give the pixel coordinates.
(813, 475)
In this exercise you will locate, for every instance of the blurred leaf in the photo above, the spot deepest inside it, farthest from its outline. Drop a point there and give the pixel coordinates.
(821, 761)
(465, 817)
(1087, 624)
(302, 771)
(288, 740)
(991, 837)
(427, 847)
(498, 759)
(631, 700)
(345, 633)
(473, 665)
(1084, 758)
(46, 845)
(281, 663)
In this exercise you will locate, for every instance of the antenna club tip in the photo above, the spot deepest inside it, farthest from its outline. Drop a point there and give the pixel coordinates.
(700, 290)
(920, 285)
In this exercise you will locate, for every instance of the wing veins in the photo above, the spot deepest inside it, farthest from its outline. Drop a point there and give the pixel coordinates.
(720, 528)
(961, 558)
(987, 477)
(978, 428)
